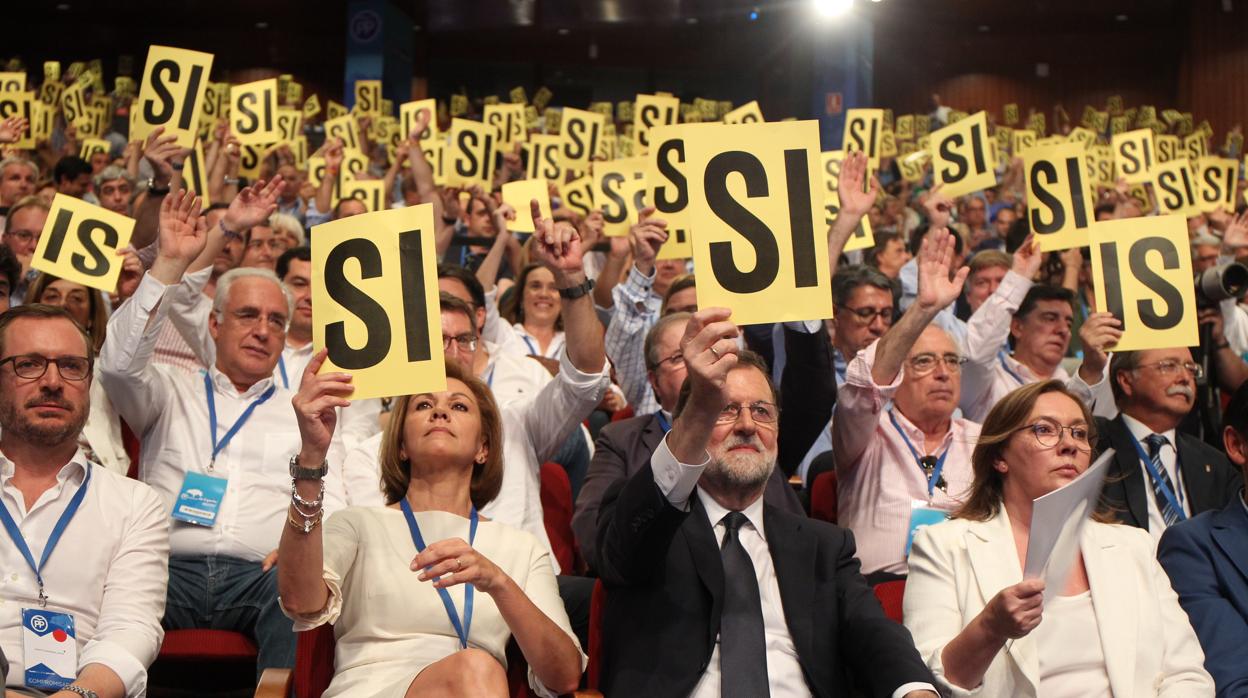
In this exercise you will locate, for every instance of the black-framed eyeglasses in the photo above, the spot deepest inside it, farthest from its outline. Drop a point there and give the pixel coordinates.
(923, 364)
(466, 342)
(867, 315)
(761, 412)
(1048, 433)
(1168, 367)
(33, 366)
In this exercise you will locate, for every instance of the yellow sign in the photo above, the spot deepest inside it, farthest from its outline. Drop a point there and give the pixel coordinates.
(1059, 205)
(435, 154)
(41, 125)
(94, 123)
(1010, 114)
(333, 110)
(79, 243)
(195, 173)
(74, 105)
(618, 211)
(888, 143)
(250, 160)
(544, 154)
(368, 97)
(1142, 273)
(542, 97)
(748, 113)
(473, 148)
(904, 127)
(290, 123)
(1196, 146)
(520, 195)
(1021, 140)
(12, 82)
(51, 71)
(578, 195)
(375, 301)
(459, 105)
(172, 93)
(1217, 178)
(371, 191)
(581, 131)
(913, 165)
(20, 103)
(509, 120)
(518, 96)
(311, 106)
(830, 166)
(91, 146)
(345, 128)
(755, 200)
(1174, 185)
(1168, 147)
(651, 112)
(253, 112)
(1134, 156)
(862, 237)
(862, 132)
(409, 114)
(960, 156)
(1099, 165)
(668, 187)
(1082, 136)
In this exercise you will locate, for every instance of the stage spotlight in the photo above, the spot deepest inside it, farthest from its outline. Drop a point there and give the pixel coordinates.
(832, 8)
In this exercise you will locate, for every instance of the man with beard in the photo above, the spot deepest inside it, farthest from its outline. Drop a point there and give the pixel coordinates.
(82, 545)
(1160, 476)
(689, 551)
(22, 230)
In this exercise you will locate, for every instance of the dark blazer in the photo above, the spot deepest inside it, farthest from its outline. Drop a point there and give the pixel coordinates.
(1207, 560)
(621, 450)
(665, 588)
(1209, 479)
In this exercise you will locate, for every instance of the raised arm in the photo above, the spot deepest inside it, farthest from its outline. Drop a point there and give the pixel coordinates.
(633, 313)
(487, 273)
(159, 150)
(558, 248)
(855, 199)
(333, 163)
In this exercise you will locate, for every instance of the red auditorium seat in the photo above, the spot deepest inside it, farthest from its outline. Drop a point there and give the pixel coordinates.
(823, 497)
(890, 595)
(557, 514)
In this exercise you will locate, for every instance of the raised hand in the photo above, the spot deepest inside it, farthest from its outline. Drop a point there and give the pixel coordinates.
(936, 289)
(1098, 335)
(181, 235)
(131, 272)
(850, 186)
(422, 123)
(253, 205)
(709, 348)
(314, 403)
(645, 238)
(161, 151)
(938, 207)
(12, 128)
(452, 561)
(1027, 258)
(333, 155)
(1236, 234)
(557, 246)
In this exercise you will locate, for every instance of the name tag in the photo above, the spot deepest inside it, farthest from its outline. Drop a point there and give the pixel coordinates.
(921, 515)
(200, 499)
(50, 649)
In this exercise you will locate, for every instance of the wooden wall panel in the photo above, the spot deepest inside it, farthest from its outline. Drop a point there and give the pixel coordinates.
(1213, 81)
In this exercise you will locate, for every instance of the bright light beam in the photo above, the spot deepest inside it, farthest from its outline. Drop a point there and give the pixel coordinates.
(829, 9)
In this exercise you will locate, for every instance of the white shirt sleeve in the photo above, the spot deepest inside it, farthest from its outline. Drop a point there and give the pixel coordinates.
(676, 480)
(561, 405)
(126, 369)
(986, 333)
(189, 309)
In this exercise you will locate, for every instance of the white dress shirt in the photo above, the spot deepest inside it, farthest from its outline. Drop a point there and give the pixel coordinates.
(533, 432)
(168, 409)
(1169, 461)
(678, 481)
(110, 569)
(513, 378)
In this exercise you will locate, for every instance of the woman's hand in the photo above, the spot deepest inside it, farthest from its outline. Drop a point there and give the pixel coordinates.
(452, 561)
(314, 407)
(1015, 611)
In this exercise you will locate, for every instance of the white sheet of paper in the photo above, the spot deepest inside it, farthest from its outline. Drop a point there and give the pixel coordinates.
(1057, 521)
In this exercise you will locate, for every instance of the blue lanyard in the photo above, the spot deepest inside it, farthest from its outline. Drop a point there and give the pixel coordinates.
(665, 425)
(461, 629)
(1175, 502)
(1010, 371)
(932, 477)
(489, 380)
(218, 446)
(20, 541)
(532, 350)
(281, 365)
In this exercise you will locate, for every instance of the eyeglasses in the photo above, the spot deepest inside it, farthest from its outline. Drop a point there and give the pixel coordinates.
(1168, 367)
(466, 342)
(277, 245)
(868, 315)
(249, 318)
(33, 366)
(1048, 433)
(761, 412)
(23, 236)
(675, 361)
(923, 364)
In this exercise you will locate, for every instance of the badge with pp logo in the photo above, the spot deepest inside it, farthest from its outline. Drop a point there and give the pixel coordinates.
(50, 649)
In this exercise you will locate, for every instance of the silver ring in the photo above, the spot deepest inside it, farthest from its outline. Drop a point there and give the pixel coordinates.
(717, 357)
(458, 565)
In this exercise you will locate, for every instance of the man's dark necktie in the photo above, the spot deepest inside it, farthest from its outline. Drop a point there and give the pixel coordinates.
(1168, 512)
(742, 641)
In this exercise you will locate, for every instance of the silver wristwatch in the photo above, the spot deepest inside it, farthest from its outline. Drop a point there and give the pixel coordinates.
(300, 473)
(84, 692)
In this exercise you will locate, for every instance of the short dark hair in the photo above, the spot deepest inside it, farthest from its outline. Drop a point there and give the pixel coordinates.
(847, 279)
(1119, 362)
(41, 311)
(451, 304)
(916, 240)
(465, 277)
(681, 283)
(10, 268)
(1236, 414)
(745, 359)
(652, 337)
(882, 240)
(343, 200)
(70, 167)
(1018, 232)
(1044, 292)
(302, 253)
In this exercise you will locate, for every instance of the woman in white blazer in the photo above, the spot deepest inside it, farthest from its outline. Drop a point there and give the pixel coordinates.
(1115, 629)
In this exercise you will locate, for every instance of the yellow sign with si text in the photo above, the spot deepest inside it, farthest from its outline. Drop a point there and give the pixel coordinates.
(1059, 202)
(961, 160)
(652, 112)
(1174, 185)
(253, 112)
(519, 195)
(1217, 179)
(544, 157)
(79, 243)
(20, 103)
(1142, 273)
(368, 97)
(1168, 147)
(12, 82)
(370, 191)
(748, 113)
(618, 211)
(1134, 156)
(74, 105)
(509, 120)
(172, 93)
(91, 146)
(668, 187)
(581, 132)
(863, 131)
(473, 148)
(375, 301)
(578, 195)
(913, 165)
(409, 114)
(756, 204)
(862, 237)
(311, 106)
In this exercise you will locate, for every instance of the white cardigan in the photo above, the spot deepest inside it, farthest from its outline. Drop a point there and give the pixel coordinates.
(958, 566)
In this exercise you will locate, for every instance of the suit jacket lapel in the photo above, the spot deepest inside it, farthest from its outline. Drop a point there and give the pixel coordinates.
(1115, 605)
(704, 550)
(793, 550)
(1127, 459)
(651, 434)
(1230, 533)
(1197, 475)
(994, 561)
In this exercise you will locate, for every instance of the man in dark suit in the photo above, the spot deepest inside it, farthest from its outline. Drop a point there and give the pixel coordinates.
(1160, 476)
(808, 394)
(713, 593)
(1207, 560)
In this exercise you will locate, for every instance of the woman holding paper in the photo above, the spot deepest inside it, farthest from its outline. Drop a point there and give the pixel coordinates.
(423, 594)
(1114, 627)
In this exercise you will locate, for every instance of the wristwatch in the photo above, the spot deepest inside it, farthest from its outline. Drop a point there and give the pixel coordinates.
(153, 189)
(300, 473)
(85, 692)
(573, 292)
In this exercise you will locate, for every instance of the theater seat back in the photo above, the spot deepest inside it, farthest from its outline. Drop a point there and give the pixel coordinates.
(890, 595)
(557, 514)
(823, 497)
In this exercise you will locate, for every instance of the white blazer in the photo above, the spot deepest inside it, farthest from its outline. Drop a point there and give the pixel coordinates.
(958, 566)
(103, 430)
